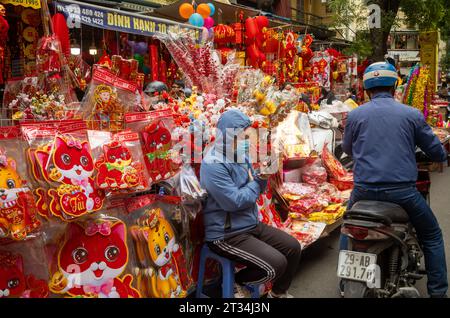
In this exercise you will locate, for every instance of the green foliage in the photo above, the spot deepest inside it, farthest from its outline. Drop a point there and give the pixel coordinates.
(361, 45)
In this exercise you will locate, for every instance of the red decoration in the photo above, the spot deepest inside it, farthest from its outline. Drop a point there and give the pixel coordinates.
(163, 71)
(153, 49)
(4, 27)
(251, 28)
(262, 21)
(62, 32)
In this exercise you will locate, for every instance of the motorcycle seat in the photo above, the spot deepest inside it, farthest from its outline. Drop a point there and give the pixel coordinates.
(386, 212)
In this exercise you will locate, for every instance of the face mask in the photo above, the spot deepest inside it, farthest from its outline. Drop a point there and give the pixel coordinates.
(243, 147)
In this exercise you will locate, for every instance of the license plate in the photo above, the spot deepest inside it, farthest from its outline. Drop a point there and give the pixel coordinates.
(356, 266)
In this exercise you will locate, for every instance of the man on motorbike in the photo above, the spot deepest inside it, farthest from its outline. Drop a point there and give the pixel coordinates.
(382, 136)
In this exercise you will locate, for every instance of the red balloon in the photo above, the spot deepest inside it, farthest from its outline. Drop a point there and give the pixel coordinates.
(262, 21)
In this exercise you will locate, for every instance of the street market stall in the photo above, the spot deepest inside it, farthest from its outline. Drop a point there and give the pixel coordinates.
(99, 167)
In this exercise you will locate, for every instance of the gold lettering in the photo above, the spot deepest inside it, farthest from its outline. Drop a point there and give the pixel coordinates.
(110, 19)
(135, 23)
(147, 25)
(152, 26)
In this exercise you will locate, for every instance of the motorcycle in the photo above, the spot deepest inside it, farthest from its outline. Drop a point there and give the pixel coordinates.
(384, 257)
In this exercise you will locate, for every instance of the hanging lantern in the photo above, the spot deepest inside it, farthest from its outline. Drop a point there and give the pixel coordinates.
(251, 28)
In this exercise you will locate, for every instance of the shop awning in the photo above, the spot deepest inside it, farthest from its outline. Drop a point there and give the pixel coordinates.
(78, 13)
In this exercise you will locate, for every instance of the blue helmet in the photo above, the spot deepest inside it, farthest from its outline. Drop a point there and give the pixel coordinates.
(380, 74)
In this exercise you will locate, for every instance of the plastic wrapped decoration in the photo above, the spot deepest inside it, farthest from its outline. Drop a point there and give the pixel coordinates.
(314, 174)
(266, 210)
(202, 65)
(108, 99)
(155, 131)
(65, 162)
(18, 215)
(119, 161)
(162, 267)
(92, 259)
(23, 270)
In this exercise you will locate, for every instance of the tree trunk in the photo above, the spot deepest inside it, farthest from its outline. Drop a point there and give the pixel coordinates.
(378, 37)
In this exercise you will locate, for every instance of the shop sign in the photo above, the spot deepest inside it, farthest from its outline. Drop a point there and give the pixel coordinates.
(78, 13)
(35, 4)
(406, 56)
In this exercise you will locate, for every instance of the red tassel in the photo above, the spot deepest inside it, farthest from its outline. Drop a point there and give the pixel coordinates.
(153, 49)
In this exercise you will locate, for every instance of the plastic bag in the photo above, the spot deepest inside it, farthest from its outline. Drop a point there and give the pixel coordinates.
(119, 161)
(107, 100)
(163, 270)
(18, 215)
(334, 167)
(65, 163)
(155, 131)
(23, 270)
(294, 191)
(190, 188)
(314, 173)
(91, 259)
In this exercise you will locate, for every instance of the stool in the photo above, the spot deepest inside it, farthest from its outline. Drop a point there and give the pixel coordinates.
(227, 275)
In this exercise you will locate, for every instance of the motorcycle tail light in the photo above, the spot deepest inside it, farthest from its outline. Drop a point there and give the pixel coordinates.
(362, 233)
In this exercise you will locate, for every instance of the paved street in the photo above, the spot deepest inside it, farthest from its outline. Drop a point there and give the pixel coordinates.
(317, 273)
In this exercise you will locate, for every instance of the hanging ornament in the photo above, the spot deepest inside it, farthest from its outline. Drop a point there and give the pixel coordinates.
(62, 32)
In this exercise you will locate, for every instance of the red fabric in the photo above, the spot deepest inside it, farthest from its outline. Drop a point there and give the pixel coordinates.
(62, 32)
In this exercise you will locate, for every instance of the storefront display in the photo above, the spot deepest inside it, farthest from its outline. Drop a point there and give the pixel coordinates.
(99, 170)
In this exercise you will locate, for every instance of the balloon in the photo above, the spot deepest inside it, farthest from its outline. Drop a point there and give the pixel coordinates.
(186, 10)
(209, 23)
(262, 21)
(204, 10)
(140, 47)
(212, 8)
(196, 20)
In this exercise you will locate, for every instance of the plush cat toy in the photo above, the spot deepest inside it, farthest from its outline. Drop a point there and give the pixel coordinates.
(92, 259)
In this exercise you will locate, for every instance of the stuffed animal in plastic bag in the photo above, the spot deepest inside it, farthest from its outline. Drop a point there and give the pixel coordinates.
(157, 145)
(154, 236)
(16, 215)
(92, 259)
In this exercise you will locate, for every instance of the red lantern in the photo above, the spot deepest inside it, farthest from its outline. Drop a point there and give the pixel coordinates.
(262, 21)
(251, 28)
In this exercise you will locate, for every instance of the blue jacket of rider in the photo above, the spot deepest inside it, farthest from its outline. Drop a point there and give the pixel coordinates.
(382, 136)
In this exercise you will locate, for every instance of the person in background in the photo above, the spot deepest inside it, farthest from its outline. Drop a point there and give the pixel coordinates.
(443, 91)
(232, 226)
(178, 89)
(351, 93)
(381, 136)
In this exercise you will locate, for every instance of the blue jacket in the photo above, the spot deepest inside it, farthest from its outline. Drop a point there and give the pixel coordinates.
(231, 204)
(382, 136)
